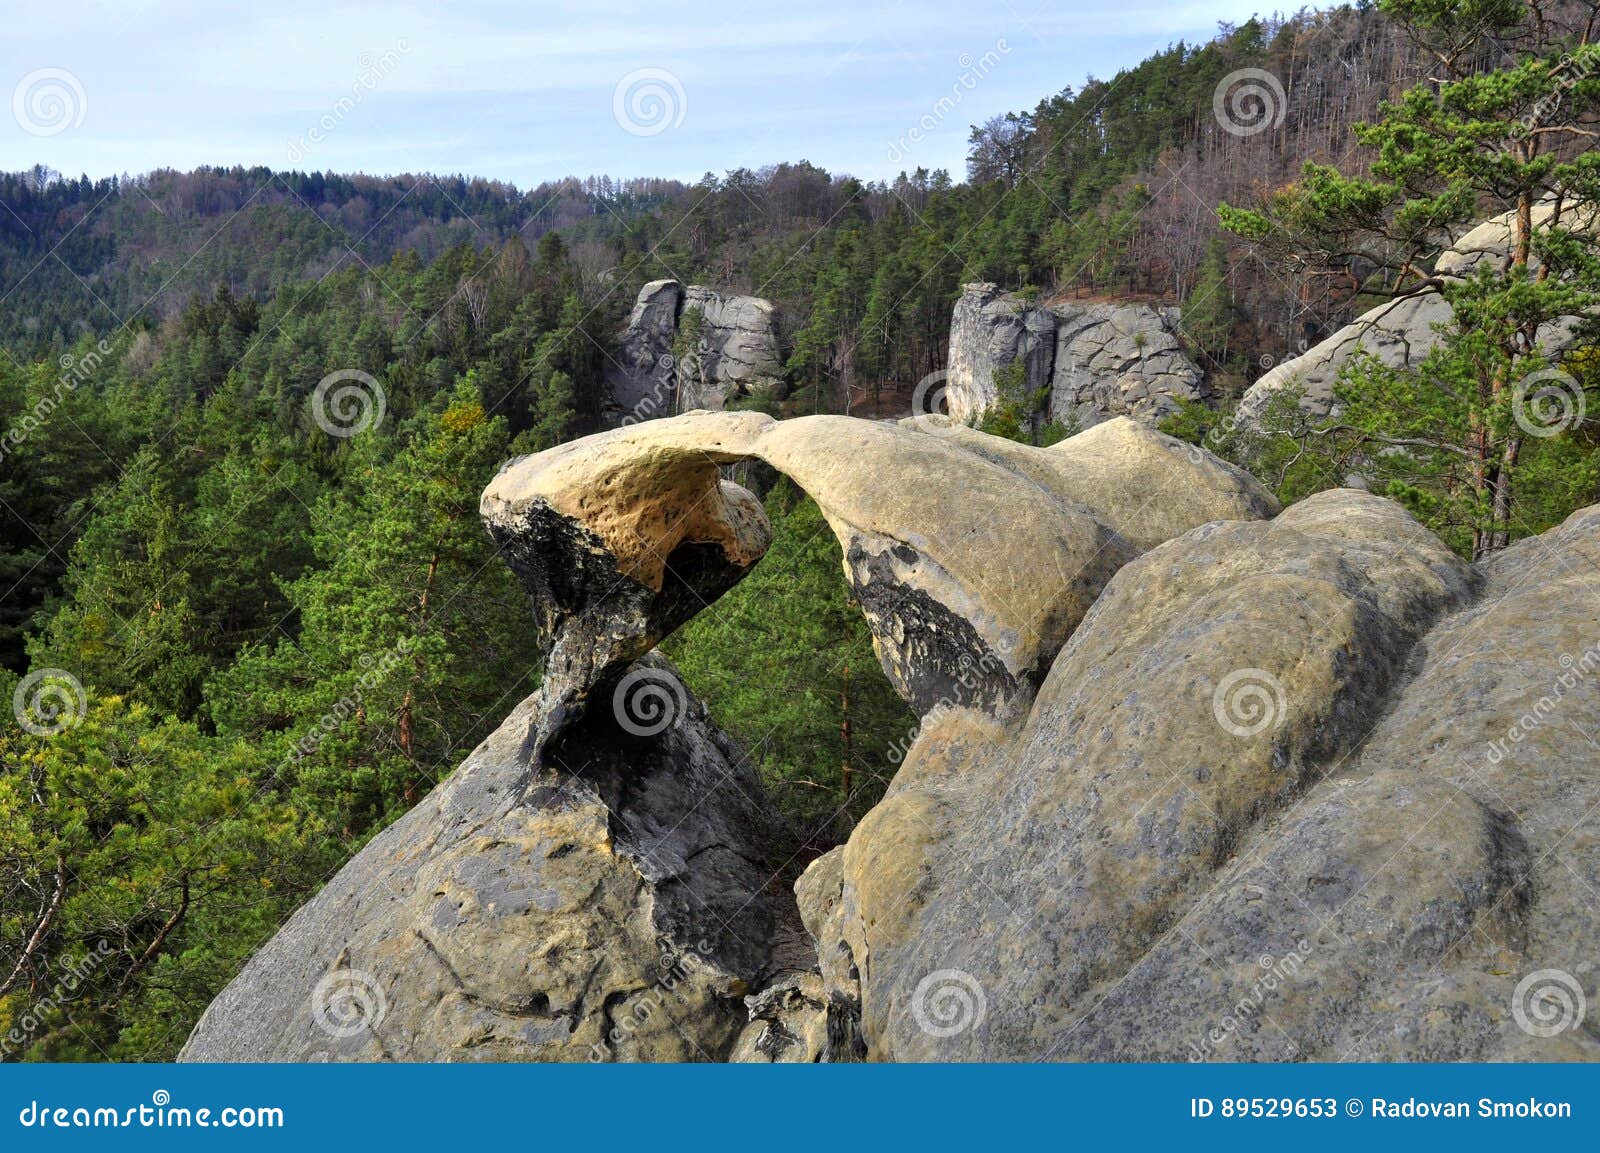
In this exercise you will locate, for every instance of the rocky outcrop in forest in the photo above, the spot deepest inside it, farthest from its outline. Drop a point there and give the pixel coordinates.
(691, 348)
(1095, 360)
(1194, 778)
(1400, 333)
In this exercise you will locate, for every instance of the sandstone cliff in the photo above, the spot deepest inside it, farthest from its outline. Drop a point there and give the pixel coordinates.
(689, 348)
(1097, 360)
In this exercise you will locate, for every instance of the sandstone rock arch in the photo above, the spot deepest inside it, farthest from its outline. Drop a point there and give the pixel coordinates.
(1206, 734)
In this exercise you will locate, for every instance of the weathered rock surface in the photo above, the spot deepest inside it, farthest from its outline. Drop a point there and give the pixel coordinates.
(596, 898)
(641, 375)
(788, 1023)
(1401, 332)
(1297, 785)
(736, 353)
(1255, 813)
(1097, 360)
(1146, 485)
(523, 911)
(589, 884)
(956, 615)
(1120, 359)
(990, 329)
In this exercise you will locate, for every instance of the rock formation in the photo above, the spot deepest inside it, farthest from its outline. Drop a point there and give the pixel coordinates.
(640, 374)
(1098, 360)
(476, 927)
(736, 354)
(730, 350)
(1113, 359)
(1401, 332)
(1194, 779)
(988, 330)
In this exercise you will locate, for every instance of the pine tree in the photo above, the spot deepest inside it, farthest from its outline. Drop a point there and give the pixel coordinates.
(1513, 140)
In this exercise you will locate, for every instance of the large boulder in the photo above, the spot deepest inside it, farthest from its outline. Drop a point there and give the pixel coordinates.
(640, 377)
(990, 329)
(736, 355)
(692, 348)
(593, 882)
(972, 558)
(596, 897)
(1310, 789)
(1095, 360)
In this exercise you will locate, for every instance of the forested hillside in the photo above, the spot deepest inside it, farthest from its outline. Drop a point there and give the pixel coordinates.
(91, 256)
(248, 613)
(1107, 188)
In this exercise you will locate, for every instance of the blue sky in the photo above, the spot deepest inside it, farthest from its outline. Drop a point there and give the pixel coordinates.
(533, 90)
